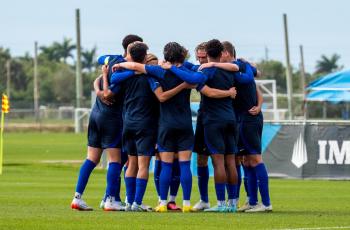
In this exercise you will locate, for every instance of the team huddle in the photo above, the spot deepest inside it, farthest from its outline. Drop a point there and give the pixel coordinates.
(143, 110)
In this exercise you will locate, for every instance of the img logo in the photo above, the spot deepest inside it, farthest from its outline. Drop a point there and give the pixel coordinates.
(299, 157)
(335, 154)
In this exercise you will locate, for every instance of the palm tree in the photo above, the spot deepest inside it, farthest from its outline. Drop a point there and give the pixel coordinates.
(50, 53)
(65, 49)
(327, 65)
(88, 59)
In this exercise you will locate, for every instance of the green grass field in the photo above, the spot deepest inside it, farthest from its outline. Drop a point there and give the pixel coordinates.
(37, 195)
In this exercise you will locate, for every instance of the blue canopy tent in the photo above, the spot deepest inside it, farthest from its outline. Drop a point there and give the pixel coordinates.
(333, 88)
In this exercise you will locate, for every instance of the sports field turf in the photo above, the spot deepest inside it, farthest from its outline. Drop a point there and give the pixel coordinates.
(36, 195)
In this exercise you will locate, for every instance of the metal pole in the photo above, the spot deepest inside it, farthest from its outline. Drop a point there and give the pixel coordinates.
(302, 77)
(78, 80)
(8, 78)
(36, 88)
(79, 91)
(266, 53)
(288, 69)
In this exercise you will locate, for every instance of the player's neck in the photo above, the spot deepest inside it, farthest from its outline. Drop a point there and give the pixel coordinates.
(210, 59)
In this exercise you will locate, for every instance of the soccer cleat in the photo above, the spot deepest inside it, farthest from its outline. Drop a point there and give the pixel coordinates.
(161, 208)
(260, 208)
(171, 206)
(200, 206)
(140, 208)
(187, 208)
(102, 204)
(245, 207)
(231, 208)
(79, 204)
(112, 205)
(217, 208)
(127, 207)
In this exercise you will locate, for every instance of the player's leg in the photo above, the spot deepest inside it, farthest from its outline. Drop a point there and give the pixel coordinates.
(113, 180)
(186, 179)
(156, 173)
(202, 167)
(239, 160)
(141, 181)
(93, 158)
(232, 181)
(130, 180)
(174, 185)
(167, 159)
(215, 141)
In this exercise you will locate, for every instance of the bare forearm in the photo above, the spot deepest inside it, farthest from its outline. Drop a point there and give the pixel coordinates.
(227, 66)
(164, 96)
(259, 96)
(215, 93)
(96, 84)
(133, 66)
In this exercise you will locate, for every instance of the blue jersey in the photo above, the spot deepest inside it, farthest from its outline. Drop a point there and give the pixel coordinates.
(175, 112)
(246, 96)
(214, 109)
(117, 106)
(141, 107)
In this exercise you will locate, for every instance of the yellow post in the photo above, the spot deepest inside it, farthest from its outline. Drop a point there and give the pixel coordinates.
(2, 141)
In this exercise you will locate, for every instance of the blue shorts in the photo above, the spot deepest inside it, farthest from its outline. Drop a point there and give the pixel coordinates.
(250, 133)
(104, 130)
(221, 137)
(199, 143)
(175, 139)
(139, 142)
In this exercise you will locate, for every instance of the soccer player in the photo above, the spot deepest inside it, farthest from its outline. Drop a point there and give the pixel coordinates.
(175, 133)
(104, 132)
(248, 110)
(199, 144)
(220, 126)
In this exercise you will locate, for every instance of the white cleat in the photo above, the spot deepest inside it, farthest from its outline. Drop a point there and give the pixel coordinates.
(245, 207)
(127, 207)
(260, 208)
(112, 205)
(79, 204)
(140, 208)
(200, 206)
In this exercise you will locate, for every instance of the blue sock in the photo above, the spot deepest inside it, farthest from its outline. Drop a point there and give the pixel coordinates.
(113, 178)
(239, 177)
(175, 178)
(252, 186)
(220, 191)
(263, 182)
(156, 172)
(245, 179)
(84, 174)
(130, 184)
(186, 179)
(203, 180)
(141, 185)
(231, 191)
(117, 195)
(164, 180)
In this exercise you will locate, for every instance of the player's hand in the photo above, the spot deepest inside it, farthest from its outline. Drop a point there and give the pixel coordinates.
(115, 67)
(105, 69)
(103, 99)
(165, 65)
(255, 110)
(206, 65)
(233, 92)
(189, 86)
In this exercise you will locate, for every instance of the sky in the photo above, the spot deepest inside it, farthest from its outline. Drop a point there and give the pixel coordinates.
(322, 27)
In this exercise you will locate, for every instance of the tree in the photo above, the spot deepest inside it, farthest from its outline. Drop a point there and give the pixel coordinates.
(274, 70)
(88, 59)
(327, 65)
(64, 50)
(49, 53)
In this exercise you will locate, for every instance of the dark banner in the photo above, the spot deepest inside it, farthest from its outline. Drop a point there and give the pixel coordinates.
(310, 150)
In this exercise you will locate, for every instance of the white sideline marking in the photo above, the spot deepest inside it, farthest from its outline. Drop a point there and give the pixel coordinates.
(316, 228)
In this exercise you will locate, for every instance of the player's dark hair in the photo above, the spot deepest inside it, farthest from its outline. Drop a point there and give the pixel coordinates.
(174, 52)
(200, 47)
(128, 39)
(228, 47)
(138, 51)
(214, 48)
